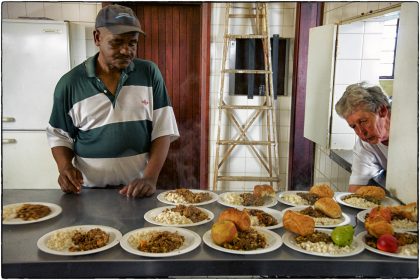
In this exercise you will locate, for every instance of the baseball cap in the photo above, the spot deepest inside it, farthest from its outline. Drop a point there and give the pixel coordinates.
(118, 19)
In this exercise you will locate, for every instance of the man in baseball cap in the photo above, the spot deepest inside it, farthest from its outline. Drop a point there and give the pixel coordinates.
(118, 19)
(112, 121)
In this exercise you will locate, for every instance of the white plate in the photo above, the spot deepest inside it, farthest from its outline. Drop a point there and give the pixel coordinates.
(214, 197)
(55, 211)
(361, 237)
(275, 213)
(387, 201)
(344, 217)
(273, 242)
(114, 238)
(282, 200)
(289, 240)
(192, 241)
(361, 217)
(269, 201)
(150, 215)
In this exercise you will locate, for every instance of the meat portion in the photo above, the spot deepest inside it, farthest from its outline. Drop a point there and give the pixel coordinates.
(92, 239)
(311, 198)
(193, 197)
(403, 239)
(247, 240)
(191, 212)
(264, 218)
(250, 199)
(309, 211)
(406, 238)
(32, 212)
(161, 242)
(315, 237)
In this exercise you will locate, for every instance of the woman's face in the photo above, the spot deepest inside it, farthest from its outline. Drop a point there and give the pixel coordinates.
(370, 127)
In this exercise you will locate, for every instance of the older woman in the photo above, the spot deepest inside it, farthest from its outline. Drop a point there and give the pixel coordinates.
(368, 111)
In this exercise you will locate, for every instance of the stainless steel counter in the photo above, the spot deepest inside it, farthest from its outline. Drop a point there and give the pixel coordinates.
(22, 259)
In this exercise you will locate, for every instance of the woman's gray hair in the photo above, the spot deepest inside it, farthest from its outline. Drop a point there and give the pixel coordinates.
(361, 96)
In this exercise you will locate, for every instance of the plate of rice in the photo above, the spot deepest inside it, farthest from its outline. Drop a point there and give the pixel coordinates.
(320, 248)
(351, 200)
(179, 216)
(323, 221)
(399, 225)
(297, 198)
(246, 199)
(406, 251)
(79, 240)
(187, 196)
(29, 212)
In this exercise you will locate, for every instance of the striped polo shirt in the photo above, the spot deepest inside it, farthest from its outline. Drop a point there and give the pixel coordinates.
(111, 135)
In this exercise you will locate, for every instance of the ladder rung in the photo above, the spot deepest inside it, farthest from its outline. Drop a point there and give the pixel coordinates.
(243, 142)
(246, 36)
(255, 107)
(248, 178)
(245, 71)
(242, 7)
(242, 16)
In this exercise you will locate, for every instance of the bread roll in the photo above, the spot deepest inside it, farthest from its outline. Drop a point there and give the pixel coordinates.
(408, 211)
(378, 226)
(264, 190)
(371, 191)
(329, 207)
(240, 218)
(298, 223)
(322, 190)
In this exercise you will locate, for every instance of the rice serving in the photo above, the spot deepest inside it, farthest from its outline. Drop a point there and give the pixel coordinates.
(403, 224)
(295, 199)
(409, 250)
(233, 198)
(327, 221)
(10, 212)
(175, 197)
(360, 202)
(61, 240)
(325, 248)
(172, 218)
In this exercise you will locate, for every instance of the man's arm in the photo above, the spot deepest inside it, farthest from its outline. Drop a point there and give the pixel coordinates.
(146, 186)
(70, 178)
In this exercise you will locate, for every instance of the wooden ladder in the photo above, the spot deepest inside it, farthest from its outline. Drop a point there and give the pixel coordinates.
(264, 111)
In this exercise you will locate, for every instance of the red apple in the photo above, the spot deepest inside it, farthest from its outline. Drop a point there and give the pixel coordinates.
(387, 243)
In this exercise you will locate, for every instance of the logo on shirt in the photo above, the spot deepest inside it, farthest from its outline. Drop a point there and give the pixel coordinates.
(145, 102)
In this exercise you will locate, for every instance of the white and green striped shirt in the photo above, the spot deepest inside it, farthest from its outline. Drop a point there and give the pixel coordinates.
(111, 135)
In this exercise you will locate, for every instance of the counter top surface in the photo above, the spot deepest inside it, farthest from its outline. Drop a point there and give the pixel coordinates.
(22, 258)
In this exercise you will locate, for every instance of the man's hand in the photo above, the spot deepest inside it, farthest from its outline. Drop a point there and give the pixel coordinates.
(70, 180)
(139, 188)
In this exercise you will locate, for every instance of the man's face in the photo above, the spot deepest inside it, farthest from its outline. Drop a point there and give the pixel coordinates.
(370, 127)
(116, 51)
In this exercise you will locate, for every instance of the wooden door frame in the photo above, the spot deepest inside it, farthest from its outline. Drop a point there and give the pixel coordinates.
(205, 93)
(302, 150)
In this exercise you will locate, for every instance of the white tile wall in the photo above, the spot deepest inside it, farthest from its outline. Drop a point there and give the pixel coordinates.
(282, 22)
